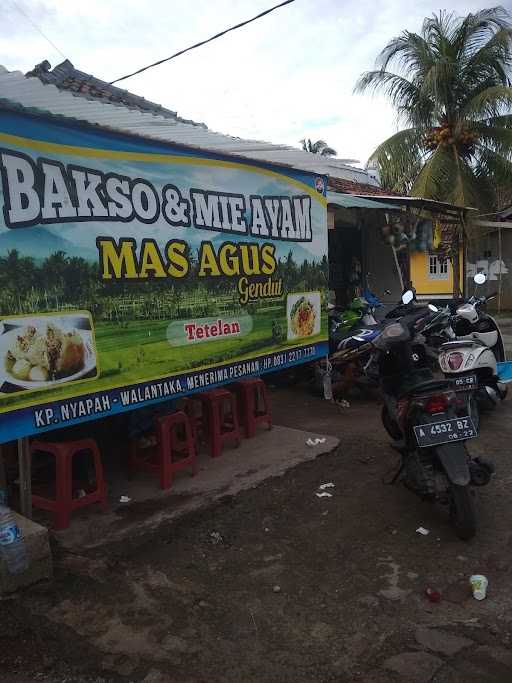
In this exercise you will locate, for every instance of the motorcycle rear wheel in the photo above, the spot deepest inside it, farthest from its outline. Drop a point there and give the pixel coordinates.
(463, 511)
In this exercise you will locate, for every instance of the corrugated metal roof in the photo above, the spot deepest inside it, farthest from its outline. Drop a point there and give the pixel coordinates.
(31, 93)
(350, 201)
(66, 77)
(420, 203)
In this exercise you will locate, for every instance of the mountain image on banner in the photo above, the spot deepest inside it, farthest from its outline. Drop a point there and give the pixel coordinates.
(39, 243)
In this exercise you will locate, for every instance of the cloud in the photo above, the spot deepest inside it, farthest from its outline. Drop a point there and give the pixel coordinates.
(284, 77)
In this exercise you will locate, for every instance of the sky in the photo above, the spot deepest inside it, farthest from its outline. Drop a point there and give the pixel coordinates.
(287, 76)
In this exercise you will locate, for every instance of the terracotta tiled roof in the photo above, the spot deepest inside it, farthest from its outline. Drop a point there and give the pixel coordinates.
(351, 187)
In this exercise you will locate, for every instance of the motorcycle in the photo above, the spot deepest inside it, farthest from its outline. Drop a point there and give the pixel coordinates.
(471, 356)
(428, 421)
(342, 323)
(349, 362)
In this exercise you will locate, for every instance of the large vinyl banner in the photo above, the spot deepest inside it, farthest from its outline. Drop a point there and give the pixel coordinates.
(133, 273)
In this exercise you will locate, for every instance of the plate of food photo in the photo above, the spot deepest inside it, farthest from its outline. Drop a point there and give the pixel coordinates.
(45, 352)
(303, 314)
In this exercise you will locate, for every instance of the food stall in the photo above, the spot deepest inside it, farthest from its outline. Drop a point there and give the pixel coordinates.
(135, 272)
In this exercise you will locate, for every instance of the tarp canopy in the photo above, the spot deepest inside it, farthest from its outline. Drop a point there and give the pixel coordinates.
(350, 201)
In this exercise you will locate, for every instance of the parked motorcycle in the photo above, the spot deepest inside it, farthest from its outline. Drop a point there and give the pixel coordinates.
(428, 421)
(341, 323)
(471, 357)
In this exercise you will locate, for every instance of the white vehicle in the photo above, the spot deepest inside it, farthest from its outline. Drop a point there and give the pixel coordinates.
(472, 357)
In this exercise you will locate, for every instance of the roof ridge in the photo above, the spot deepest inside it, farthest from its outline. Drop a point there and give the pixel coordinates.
(81, 84)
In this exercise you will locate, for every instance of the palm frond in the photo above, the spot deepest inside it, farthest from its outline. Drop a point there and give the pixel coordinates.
(409, 52)
(451, 80)
(398, 159)
(493, 101)
(404, 95)
(432, 180)
(497, 166)
(497, 138)
(492, 60)
(477, 29)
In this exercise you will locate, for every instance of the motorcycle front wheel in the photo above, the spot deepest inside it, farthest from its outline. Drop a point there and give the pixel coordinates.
(463, 511)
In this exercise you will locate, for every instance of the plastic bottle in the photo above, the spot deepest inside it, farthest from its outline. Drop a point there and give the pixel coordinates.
(12, 544)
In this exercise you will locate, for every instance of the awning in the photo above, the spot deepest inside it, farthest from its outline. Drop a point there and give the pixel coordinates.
(350, 201)
(420, 203)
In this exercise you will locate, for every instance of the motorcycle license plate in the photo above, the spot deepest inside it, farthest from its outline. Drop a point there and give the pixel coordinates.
(466, 383)
(434, 433)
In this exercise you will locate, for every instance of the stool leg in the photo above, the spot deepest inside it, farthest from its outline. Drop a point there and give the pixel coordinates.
(64, 493)
(215, 426)
(164, 456)
(236, 422)
(191, 446)
(250, 425)
(266, 405)
(100, 479)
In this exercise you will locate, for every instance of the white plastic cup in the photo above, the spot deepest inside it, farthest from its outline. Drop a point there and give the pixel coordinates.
(479, 585)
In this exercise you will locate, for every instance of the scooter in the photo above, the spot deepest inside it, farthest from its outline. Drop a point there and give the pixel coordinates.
(471, 357)
(428, 422)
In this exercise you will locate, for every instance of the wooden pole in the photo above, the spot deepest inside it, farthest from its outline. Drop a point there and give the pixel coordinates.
(25, 474)
(398, 269)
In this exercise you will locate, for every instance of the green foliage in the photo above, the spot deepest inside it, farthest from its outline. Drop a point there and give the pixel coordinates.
(318, 147)
(451, 88)
(61, 282)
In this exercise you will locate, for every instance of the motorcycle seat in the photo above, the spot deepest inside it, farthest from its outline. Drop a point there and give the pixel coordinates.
(430, 385)
(459, 344)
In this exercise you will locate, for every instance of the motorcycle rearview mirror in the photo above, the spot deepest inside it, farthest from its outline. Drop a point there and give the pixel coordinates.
(407, 297)
(433, 308)
(480, 279)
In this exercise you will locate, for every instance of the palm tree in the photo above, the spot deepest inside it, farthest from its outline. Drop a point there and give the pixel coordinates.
(318, 147)
(451, 87)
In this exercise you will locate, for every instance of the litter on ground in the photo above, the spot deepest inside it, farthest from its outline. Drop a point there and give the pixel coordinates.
(315, 442)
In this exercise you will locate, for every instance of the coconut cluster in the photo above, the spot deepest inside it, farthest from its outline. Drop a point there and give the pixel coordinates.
(445, 135)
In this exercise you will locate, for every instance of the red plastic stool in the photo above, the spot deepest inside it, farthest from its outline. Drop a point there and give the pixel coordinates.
(254, 404)
(173, 451)
(64, 504)
(219, 420)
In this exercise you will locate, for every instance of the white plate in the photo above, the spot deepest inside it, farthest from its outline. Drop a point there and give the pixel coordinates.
(314, 299)
(7, 341)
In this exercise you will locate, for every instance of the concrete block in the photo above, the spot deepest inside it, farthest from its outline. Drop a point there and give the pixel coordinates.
(40, 558)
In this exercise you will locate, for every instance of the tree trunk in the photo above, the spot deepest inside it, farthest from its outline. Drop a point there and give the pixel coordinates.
(456, 263)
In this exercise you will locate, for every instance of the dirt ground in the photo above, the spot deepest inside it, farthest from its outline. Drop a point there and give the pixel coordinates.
(277, 584)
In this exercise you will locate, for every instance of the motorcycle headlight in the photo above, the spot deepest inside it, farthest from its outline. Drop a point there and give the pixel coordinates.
(393, 331)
